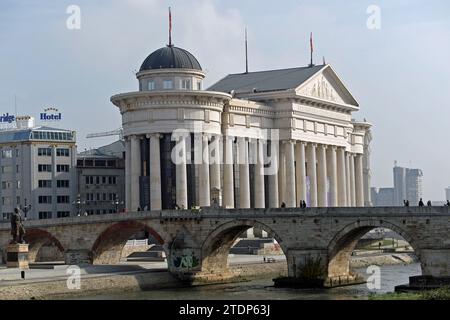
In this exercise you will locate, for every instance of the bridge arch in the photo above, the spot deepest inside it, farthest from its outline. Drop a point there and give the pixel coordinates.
(344, 242)
(107, 248)
(217, 245)
(36, 239)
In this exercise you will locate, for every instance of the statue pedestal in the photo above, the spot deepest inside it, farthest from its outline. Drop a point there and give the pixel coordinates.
(17, 256)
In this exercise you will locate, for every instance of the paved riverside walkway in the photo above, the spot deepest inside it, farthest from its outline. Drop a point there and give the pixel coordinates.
(12, 276)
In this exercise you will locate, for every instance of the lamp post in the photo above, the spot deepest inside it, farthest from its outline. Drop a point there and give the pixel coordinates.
(116, 203)
(25, 209)
(78, 203)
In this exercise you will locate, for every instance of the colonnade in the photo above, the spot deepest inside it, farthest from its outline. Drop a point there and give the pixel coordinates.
(322, 175)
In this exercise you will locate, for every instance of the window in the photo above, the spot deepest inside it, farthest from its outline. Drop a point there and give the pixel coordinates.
(7, 201)
(185, 84)
(7, 169)
(167, 84)
(62, 168)
(7, 215)
(6, 154)
(17, 168)
(63, 199)
(62, 183)
(17, 153)
(45, 199)
(151, 85)
(63, 214)
(18, 184)
(45, 183)
(89, 196)
(44, 168)
(111, 180)
(44, 152)
(6, 184)
(199, 85)
(89, 180)
(45, 214)
(103, 180)
(62, 152)
(97, 180)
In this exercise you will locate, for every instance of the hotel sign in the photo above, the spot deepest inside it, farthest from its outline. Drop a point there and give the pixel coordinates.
(50, 114)
(7, 118)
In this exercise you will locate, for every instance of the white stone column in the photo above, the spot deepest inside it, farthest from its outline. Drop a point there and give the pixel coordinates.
(322, 176)
(359, 185)
(244, 178)
(128, 173)
(341, 178)
(135, 172)
(290, 174)
(300, 171)
(259, 176)
(352, 180)
(215, 166)
(348, 187)
(273, 178)
(282, 174)
(332, 174)
(204, 196)
(312, 174)
(228, 180)
(155, 172)
(181, 176)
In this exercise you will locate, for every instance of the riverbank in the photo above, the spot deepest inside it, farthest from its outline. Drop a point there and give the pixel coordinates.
(126, 283)
(147, 279)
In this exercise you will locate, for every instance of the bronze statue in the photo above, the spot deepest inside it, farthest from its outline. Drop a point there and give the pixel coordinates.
(17, 228)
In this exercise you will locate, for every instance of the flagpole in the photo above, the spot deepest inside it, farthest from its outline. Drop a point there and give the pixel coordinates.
(311, 45)
(170, 28)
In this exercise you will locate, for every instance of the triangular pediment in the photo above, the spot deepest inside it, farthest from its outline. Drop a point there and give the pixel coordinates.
(326, 85)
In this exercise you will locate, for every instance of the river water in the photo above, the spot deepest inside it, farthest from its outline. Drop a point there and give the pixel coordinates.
(390, 276)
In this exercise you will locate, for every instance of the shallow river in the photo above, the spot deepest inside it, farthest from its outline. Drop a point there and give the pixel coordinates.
(391, 276)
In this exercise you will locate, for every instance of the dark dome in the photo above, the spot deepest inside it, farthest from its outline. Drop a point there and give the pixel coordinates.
(170, 57)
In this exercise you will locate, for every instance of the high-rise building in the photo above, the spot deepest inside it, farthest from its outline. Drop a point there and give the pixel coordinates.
(37, 170)
(407, 185)
(447, 193)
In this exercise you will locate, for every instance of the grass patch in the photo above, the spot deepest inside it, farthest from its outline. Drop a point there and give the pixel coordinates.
(435, 294)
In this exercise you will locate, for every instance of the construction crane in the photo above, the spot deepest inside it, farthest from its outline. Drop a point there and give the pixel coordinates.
(117, 132)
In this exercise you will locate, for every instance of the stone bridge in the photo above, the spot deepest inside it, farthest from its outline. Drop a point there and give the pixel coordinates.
(197, 243)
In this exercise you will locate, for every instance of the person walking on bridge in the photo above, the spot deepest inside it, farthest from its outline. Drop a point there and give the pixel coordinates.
(421, 203)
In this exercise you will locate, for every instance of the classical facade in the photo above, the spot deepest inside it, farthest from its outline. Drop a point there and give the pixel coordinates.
(255, 140)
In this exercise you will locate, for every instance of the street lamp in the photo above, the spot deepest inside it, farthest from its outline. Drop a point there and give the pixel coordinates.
(78, 203)
(25, 208)
(116, 204)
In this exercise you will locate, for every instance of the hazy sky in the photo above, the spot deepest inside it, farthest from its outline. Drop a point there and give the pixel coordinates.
(400, 74)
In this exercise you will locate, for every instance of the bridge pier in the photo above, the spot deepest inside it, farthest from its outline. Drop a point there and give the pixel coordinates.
(78, 256)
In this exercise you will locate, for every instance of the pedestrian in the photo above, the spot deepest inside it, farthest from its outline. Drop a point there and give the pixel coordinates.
(420, 203)
(429, 203)
(304, 204)
(283, 205)
(448, 203)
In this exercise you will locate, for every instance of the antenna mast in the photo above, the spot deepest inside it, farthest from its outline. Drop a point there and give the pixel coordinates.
(246, 52)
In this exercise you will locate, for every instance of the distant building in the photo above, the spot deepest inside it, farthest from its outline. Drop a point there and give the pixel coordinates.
(37, 170)
(382, 197)
(447, 193)
(101, 180)
(407, 185)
